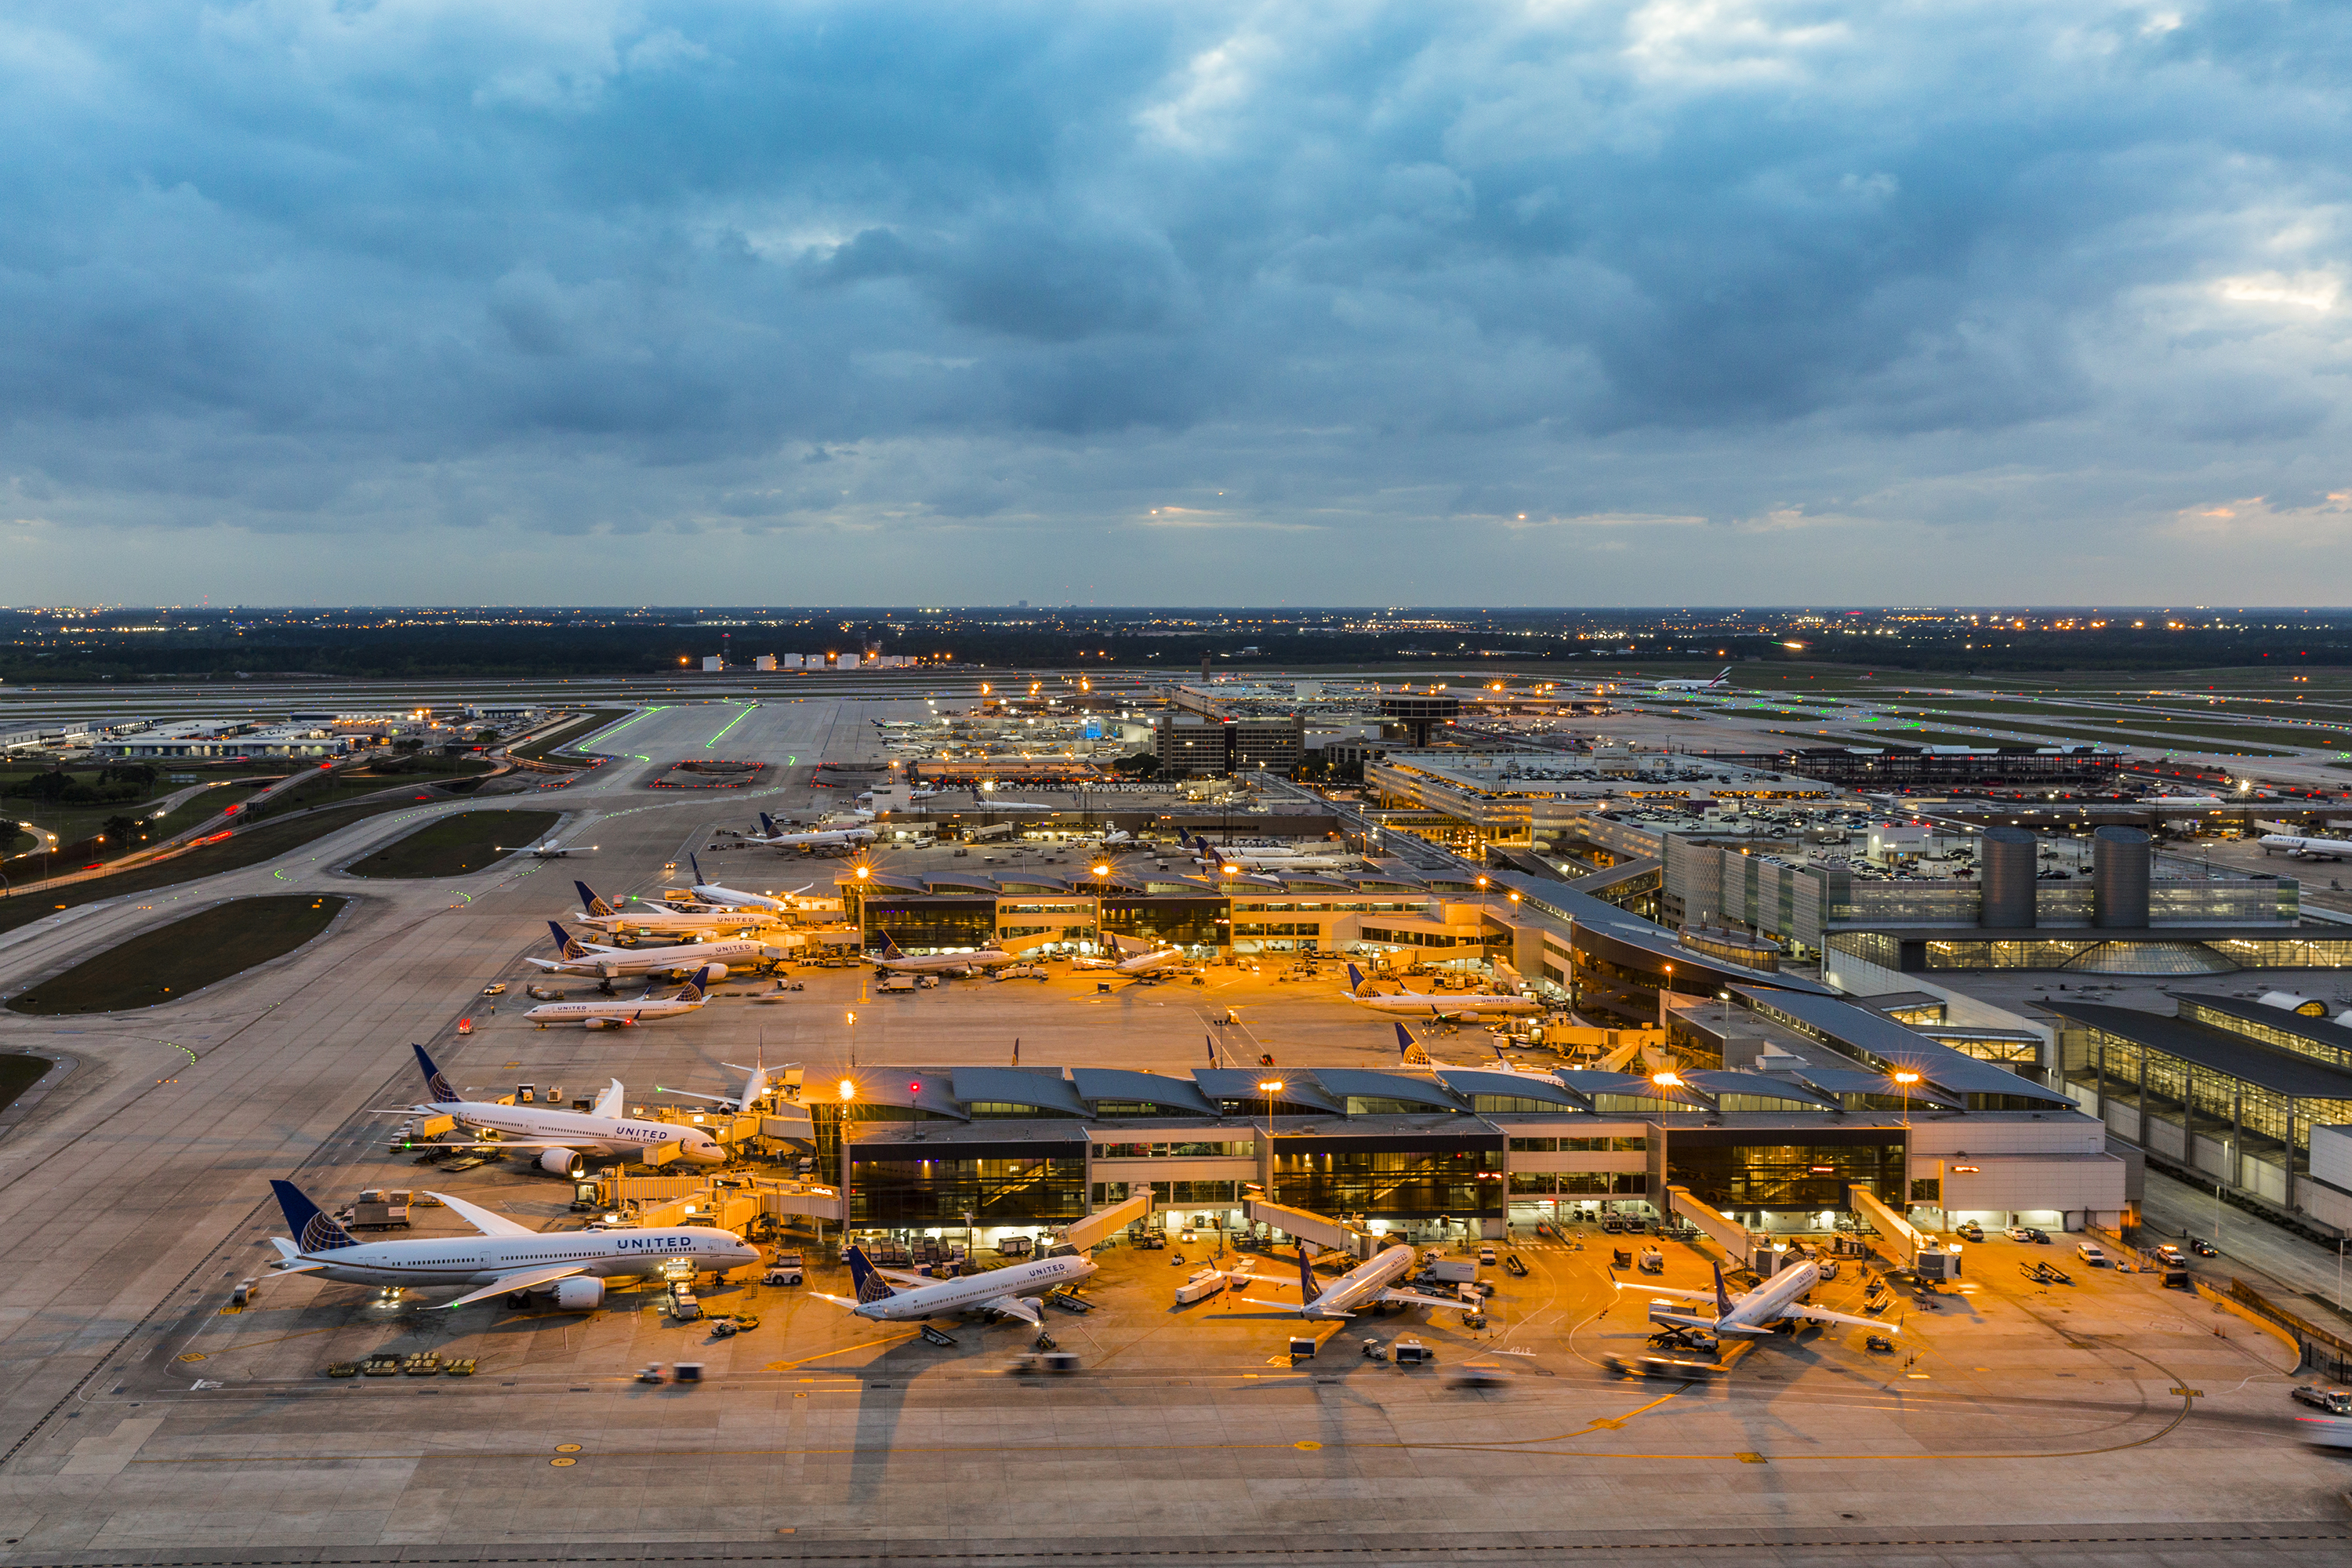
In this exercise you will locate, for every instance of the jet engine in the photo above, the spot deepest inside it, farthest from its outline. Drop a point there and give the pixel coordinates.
(717, 973)
(563, 1162)
(611, 1023)
(577, 1295)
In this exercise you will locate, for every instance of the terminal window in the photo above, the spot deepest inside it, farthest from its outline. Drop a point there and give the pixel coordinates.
(922, 1192)
(1784, 1175)
(1392, 1182)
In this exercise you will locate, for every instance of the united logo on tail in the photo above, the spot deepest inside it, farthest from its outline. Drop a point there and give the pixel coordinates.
(1409, 1049)
(868, 1281)
(596, 908)
(436, 1086)
(314, 1231)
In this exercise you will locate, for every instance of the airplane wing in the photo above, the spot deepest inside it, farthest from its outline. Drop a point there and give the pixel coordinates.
(1821, 1315)
(1281, 1305)
(849, 1302)
(523, 1281)
(1016, 1307)
(1414, 1299)
(1706, 1296)
(902, 1277)
(608, 1104)
(483, 1220)
(284, 1268)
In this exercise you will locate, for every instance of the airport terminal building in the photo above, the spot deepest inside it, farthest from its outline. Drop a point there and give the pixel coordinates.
(1442, 1151)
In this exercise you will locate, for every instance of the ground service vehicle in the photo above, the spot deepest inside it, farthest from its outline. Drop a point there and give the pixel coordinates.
(2334, 1401)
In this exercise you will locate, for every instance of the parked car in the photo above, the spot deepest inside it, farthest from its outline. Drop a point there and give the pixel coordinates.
(2092, 1253)
(2020, 1233)
(1969, 1230)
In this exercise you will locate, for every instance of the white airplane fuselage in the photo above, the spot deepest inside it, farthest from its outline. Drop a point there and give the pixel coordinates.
(600, 1014)
(2302, 848)
(662, 922)
(949, 963)
(979, 1291)
(610, 962)
(1469, 1003)
(425, 1262)
(609, 1135)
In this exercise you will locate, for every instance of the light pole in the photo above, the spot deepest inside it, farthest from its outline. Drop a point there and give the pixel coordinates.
(847, 1094)
(1270, 1087)
(1906, 1078)
(845, 1084)
(1100, 872)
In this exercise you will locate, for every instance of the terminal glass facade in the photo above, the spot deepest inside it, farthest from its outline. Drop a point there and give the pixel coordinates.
(926, 925)
(1193, 922)
(1738, 1171)
(1393, 1183)
(904, 1194)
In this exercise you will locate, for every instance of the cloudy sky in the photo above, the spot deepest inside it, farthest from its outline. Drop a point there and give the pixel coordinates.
(1709, 302)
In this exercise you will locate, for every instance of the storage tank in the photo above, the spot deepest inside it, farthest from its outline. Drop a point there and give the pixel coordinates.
(2119, 863)
(2006, 865)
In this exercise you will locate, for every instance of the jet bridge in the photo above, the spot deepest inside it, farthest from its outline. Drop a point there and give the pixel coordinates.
(1736, 1239)
(1913, 1248)
(1330, 1233)
(1091, 1231)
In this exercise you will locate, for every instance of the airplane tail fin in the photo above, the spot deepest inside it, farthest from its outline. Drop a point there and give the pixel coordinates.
(865, 1281)
(567, 946)
(767, 825)
(1306, 1276)
(595, 907)
(1409, 1049)
(697, 863)
(692, 990)
(1722, 1296)
(1355, 978)
(436, 1086)
(313, 1230)
(608, 1104)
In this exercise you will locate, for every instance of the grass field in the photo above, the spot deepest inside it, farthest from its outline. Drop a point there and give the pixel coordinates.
(169, 962)
(17, 1074)
(2108, 731)
(456, 845)
(266, 842)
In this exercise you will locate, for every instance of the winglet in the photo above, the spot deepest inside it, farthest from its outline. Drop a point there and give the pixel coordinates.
(314, 1231)
(608, 1104)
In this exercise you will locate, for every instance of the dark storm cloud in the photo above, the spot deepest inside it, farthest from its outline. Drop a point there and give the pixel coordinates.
(357, 268)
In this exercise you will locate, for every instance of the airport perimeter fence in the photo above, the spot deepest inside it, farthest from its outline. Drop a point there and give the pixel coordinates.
(2324, 1352)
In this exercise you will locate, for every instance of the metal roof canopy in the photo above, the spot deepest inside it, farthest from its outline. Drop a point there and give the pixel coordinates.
(1364, 1083)
(2218, 1050)
(1874, 1035)
(1179, 1095)
(1299, 1088)
(1047, 1090)
(1520, 1085)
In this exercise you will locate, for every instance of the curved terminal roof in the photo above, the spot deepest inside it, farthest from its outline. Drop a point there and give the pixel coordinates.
(1299, 1089)
(1715, 1085)
(917, 1089)
(1177, 1096)
(1591, 1081)
(1046, 1090)
(1470, 1081)
(1880, 1042)
(1363, 1083)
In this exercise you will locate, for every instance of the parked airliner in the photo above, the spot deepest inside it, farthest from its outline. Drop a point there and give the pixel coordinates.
(1368, 1284)
(570, 1265)
(1752, 1314)
(1447, 1008)
(914, 1298)
(610, 964)
(687, 998)
(564, 1138)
